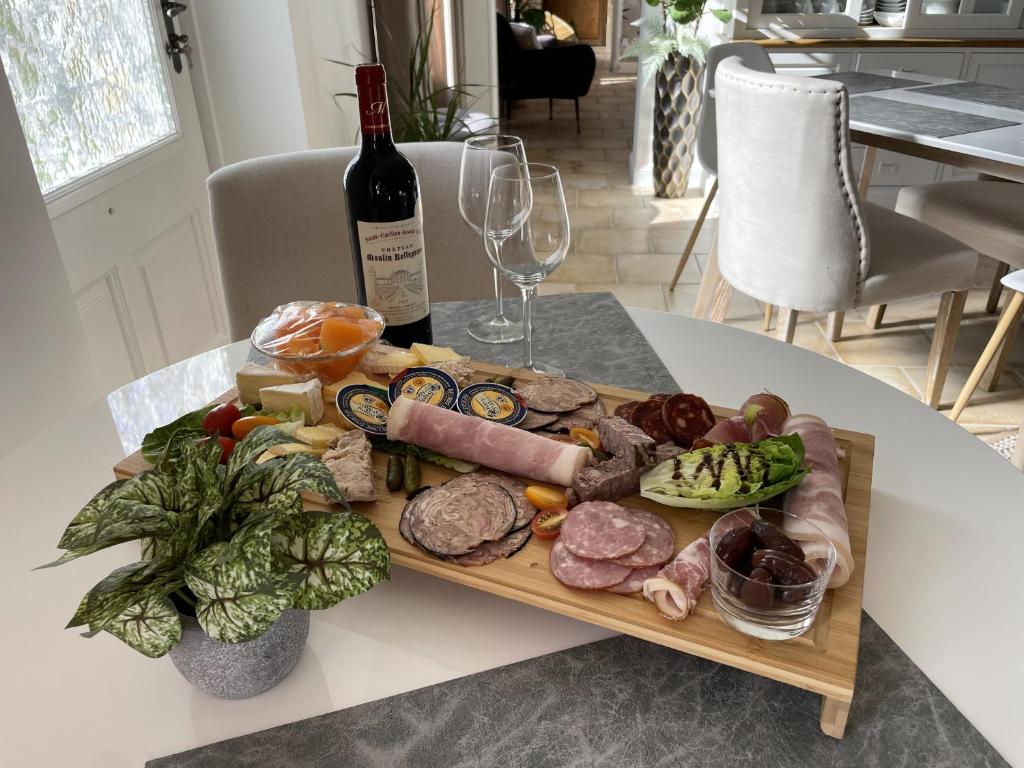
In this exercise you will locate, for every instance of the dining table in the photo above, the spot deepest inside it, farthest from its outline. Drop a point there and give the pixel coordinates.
(421, 672)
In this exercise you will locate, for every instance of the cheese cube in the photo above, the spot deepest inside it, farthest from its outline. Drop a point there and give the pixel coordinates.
(317, 437)
(308, 395)
(428, 354)
(251, 378)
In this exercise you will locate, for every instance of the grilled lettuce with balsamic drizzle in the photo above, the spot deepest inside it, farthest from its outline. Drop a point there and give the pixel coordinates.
(727, 476)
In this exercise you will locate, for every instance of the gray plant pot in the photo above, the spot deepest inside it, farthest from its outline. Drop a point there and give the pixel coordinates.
(240, 670)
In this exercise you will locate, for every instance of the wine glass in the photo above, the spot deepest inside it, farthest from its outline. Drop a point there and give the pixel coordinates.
(480, 156)
(526, 226)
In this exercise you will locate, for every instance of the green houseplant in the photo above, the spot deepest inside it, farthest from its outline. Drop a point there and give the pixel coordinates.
(226, 543)
(671, 50)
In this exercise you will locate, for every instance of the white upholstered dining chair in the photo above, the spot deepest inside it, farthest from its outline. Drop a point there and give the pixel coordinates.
(792, 230)
(280, 224)
(988, 216)
(755, 57)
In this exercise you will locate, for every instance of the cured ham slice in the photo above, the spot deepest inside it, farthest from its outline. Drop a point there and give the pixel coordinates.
(497, 446)
(679, 585)
(819, 499)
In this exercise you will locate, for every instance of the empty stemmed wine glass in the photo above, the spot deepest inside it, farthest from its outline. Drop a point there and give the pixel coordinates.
(480, 156)
(526, 227)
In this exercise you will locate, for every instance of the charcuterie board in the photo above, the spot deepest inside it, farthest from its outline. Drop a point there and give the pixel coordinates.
(824, 660)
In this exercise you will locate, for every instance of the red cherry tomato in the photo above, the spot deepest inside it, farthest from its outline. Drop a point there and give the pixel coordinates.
(227, 445)
(219, 420)
(548, 523)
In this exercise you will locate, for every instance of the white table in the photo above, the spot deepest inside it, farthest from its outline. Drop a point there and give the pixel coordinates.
(999, 151)
(942, 575)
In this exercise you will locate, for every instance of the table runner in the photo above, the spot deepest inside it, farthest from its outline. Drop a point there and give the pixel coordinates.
(620, 702)
(919, 119)
(865, 82)
(980, 93)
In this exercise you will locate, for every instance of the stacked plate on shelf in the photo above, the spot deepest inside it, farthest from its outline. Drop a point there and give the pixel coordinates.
(867, 13)
(890, 13)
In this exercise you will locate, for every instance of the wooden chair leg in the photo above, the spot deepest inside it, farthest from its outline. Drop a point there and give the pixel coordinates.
(947, 326)
(692, 241)
(875, 315)
(787, 324)
(834, 329)
(720, 301)
(1011, 317)
(997, 287)
(990, 379)
(708, 283)
(576, 101)
(767, 317)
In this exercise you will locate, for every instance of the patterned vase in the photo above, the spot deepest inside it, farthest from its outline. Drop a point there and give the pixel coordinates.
(676, 109)
(240, 670)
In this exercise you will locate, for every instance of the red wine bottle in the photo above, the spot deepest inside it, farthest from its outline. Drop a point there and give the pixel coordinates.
(386, 221)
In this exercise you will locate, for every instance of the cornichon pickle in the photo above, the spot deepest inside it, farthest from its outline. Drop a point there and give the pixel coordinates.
(412, 474)
(770, 537)
(734, 549)
(395, 472)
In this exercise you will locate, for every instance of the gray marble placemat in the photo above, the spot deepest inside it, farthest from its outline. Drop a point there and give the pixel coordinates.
(916, 118)
(865, 82)
(620, 702)
(624, 703)
(980, 93)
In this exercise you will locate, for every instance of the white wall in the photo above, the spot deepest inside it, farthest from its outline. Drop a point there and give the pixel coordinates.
(480, 38)
(47, 371)
(246, 78)
(641, 159)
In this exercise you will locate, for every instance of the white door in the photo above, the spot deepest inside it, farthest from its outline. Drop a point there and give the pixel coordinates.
(114, 136)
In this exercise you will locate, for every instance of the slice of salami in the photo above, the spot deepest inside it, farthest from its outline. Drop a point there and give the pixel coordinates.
(648, 417)
(584, 416)
(635, 581)
(490, 551)
(517, 490)
(537, 420)
(582, 573)
(688, 418)
(625, 410)
(460, 515)
(601, 530)
(662, 396)
(553, 395)
(659, 542)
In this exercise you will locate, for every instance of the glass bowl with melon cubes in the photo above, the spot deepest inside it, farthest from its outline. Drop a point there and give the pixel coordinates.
(326, 339)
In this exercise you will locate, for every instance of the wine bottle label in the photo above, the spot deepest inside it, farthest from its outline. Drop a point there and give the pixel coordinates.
(395, 269)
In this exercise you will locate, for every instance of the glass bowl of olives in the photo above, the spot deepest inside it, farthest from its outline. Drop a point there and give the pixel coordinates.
(769, 572)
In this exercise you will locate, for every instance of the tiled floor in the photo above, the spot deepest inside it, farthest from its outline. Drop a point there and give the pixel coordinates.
(627, 241)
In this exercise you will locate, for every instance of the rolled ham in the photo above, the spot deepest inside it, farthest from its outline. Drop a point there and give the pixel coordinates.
(761, 416)
(679, 585)
(819, 499)
(480, 441)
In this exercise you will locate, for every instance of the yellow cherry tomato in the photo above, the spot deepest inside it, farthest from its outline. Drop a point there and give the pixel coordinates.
(584, 435)
(247, 424)
(545, 497)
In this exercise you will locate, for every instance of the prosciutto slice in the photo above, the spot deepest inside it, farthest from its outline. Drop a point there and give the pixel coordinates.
(819, 499)
(679, 585)
(497, 446)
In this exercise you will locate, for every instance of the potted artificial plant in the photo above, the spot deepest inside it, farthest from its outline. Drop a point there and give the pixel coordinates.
(230, 562)
(671, 50)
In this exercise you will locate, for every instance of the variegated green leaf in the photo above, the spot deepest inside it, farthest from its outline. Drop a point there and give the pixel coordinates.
(235, 603)
(119, 521)
(151, 626)
(123, 587)
(250, 448)
(295, 472)
(337, 556)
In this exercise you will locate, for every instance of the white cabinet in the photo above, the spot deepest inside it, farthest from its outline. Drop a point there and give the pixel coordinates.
(811, 64)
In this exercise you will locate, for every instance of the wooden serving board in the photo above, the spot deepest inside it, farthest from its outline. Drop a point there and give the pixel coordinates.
(824, 660)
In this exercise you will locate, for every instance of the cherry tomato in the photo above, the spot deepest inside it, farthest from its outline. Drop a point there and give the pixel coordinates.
(545, 497)
(219, 420)
(548, 524)
(247, 424)
(227, 445)
(584, 435)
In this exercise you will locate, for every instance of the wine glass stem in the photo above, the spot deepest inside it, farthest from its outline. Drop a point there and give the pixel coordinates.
(500, 315)
(528, 325)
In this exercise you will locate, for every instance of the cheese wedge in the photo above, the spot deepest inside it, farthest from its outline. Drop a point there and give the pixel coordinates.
(331, 390)
(285, 449)
(251, 378)
(430, 354)
(383, 359)
(307, 395)
(317, 437)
